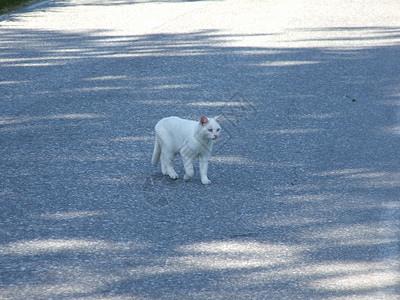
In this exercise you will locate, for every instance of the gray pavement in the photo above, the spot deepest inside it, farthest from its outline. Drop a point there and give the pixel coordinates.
(304, 201)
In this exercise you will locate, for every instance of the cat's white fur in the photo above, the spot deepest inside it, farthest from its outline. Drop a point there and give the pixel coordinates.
(188, 138)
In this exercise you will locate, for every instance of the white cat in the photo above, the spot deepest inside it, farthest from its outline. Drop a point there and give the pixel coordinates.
(190, 139)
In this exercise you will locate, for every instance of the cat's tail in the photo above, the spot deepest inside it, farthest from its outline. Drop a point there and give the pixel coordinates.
(156, 153)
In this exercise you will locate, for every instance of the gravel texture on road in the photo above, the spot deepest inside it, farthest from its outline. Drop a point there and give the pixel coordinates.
(305, 194)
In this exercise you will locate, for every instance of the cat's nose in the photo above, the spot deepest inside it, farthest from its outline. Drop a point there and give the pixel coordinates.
(215, 136)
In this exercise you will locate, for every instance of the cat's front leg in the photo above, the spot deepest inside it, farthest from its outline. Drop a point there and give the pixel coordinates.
(203, 164)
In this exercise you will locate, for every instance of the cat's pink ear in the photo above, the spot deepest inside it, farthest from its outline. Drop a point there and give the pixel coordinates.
(203, 120)
(218, 119)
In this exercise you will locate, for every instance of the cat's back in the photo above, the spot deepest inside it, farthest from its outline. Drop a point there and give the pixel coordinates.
(175, 129)
(175, 123)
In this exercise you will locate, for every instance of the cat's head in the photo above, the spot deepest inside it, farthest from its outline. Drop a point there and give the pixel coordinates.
(210, 127)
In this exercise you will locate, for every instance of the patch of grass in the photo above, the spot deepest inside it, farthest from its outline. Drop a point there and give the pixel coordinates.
(10, 5)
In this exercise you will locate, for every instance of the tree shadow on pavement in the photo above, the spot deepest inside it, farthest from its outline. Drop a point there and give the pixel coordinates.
(304, 202)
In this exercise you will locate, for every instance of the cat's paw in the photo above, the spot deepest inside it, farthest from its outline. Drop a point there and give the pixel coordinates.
(206, 181)
(186, 177)
(173, 176)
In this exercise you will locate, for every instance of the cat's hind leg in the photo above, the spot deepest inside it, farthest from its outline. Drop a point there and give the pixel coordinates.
(163, 169)
(167, 161)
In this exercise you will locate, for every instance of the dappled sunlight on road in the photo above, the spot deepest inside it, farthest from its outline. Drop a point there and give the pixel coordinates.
(18, 120)
(366, 280)
(241, 160)
(220, 104)
(240, 266)
(232, 255)
(304, 196)
(37, 247)
(364, 178)
(144, 138)
(71, 215)
(349, 234)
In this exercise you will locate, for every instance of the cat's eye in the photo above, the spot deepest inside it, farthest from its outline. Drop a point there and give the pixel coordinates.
(210, 130)
(217, 129)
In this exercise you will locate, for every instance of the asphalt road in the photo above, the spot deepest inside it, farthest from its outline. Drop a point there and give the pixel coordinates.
(304, 201)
